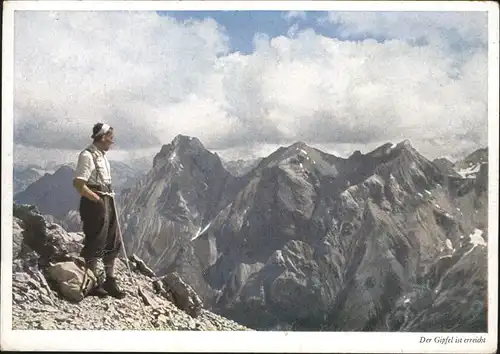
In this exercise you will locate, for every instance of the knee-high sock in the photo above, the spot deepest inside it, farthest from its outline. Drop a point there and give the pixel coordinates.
(92, 264)
(109, 267)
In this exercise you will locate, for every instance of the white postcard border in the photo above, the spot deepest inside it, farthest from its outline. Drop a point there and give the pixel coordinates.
(375, 342)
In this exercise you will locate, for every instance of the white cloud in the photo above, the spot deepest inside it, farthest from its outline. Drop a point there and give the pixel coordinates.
(153, 78)
(294, 15)
(434, 26)
(133, 70)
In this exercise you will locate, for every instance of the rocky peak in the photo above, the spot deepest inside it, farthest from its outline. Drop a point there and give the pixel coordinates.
(443, 161)
(164, 153)
(471, 164)
(382, 151)
(302, 155)
(446, 167)
(356, 154)
(184, 141)
(299, 145)
(406, 143)
(53, 193)
(387, 150)
(24, 176)
(284, 153)
(64, 170)
(184, 191)
(402, 151)
(182, 146)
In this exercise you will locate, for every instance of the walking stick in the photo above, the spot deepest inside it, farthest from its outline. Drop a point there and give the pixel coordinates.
(117, 216)
(139, 289)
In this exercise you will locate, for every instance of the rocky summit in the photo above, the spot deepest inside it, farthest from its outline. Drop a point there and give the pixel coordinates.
(152, 303)
(305, 240)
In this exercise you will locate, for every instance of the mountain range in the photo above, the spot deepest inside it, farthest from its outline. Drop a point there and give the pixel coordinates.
(306, 240)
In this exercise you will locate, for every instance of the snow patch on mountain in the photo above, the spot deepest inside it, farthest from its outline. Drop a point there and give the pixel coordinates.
(172, 156)
(201, 231)
(476, 238)
(469, 172)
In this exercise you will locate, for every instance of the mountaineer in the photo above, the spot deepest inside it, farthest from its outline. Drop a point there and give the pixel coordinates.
(92, 180)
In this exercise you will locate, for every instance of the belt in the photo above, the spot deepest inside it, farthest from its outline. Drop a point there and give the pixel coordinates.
(103, 190)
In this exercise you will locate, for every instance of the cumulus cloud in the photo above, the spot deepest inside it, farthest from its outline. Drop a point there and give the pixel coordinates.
(470, 28)
(132, 70)
(154, 77)
(295, 15)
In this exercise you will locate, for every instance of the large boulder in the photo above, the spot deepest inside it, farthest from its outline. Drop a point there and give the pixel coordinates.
(139, 265)
(17, 237)
(180, 293)
(50, 241)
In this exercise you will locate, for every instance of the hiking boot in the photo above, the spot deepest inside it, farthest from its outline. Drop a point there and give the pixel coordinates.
(113, 289)
(98, 291)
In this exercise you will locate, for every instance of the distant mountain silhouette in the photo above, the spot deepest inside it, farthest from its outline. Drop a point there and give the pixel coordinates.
(53, 194)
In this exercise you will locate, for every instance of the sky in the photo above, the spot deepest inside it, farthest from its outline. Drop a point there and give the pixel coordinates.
(246, 83)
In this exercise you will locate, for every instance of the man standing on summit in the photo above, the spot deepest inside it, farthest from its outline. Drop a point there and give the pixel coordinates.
(92, 180)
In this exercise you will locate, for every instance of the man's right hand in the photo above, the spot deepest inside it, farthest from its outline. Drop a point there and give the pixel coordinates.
(85, 191)
(100, 200)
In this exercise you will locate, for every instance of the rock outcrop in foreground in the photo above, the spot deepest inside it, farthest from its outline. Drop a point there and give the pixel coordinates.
(38, 305)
